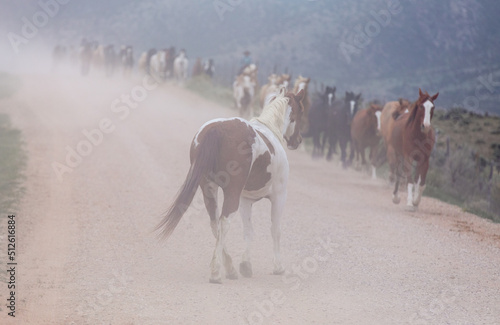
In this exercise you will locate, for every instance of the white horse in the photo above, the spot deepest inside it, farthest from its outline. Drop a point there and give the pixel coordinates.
(181, 67)
(248, 161)
(244, 91)
(143, 63)
(158, 65)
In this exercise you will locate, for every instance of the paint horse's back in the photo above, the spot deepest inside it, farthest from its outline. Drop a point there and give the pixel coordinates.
(248, 170)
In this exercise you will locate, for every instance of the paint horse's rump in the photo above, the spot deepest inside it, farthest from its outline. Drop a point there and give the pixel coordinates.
(247, 160)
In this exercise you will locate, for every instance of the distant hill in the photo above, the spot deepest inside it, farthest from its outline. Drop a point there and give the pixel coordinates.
(385, 51)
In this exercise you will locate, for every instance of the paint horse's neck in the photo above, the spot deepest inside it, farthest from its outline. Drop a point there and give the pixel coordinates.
(275, 117)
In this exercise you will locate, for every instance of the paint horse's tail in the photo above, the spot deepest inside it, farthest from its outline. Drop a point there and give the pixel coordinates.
(203, 163)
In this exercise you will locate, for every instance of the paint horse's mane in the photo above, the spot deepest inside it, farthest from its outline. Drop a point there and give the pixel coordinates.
(414, 109)
(273, 115)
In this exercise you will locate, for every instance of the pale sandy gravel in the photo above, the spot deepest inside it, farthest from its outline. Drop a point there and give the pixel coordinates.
(87, 254)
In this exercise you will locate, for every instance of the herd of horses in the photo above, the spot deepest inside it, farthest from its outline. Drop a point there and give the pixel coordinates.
(401, 129)
(245, 156)
(165, 64)
(399, 132)
(162, 64)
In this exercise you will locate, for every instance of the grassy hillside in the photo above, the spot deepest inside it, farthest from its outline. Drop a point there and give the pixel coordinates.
(465, 164)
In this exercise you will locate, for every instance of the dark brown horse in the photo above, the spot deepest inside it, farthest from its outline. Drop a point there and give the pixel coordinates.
(248, 161)
(339, 125)
(412, 140)
(318, 120)
(197, 68)
(365, 132)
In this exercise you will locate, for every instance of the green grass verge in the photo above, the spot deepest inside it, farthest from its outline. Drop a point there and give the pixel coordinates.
(208, 89)
(12, 162)
(12, 156)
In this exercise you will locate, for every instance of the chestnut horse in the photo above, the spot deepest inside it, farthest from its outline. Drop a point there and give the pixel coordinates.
(302, 83)
(412, 140)
(391, 111)
(284, 80)
(269, 88)
(248, 161)
(365, 132)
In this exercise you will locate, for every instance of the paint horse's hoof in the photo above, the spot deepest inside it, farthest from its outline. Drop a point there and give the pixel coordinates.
(396, 200)
(215, 281)
(246, 269)
(279, 271)
(232, 275)
(411, 208)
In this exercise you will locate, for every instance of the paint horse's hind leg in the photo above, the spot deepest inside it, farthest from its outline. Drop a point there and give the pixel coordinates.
(210, 197)
(246, 214)
(278, 204)
(229, 209)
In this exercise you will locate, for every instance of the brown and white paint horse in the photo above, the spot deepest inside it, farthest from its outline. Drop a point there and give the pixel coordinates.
(413, 139)
(247, 160)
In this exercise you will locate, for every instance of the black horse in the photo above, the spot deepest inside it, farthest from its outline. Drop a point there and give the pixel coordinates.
(209, 68)
(86, 50)
(109, 60)
(318, 118)
(339, 125)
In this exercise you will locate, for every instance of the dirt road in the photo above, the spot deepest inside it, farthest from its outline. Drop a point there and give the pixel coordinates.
(87, 255)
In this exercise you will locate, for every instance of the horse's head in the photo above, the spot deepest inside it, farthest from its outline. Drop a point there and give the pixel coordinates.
(329, 96)
(352, 103)
(423, 110)
(301, 83)
(404, 105)
(273, 79)
(375, 111)
(284, 80)
(293, 119)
